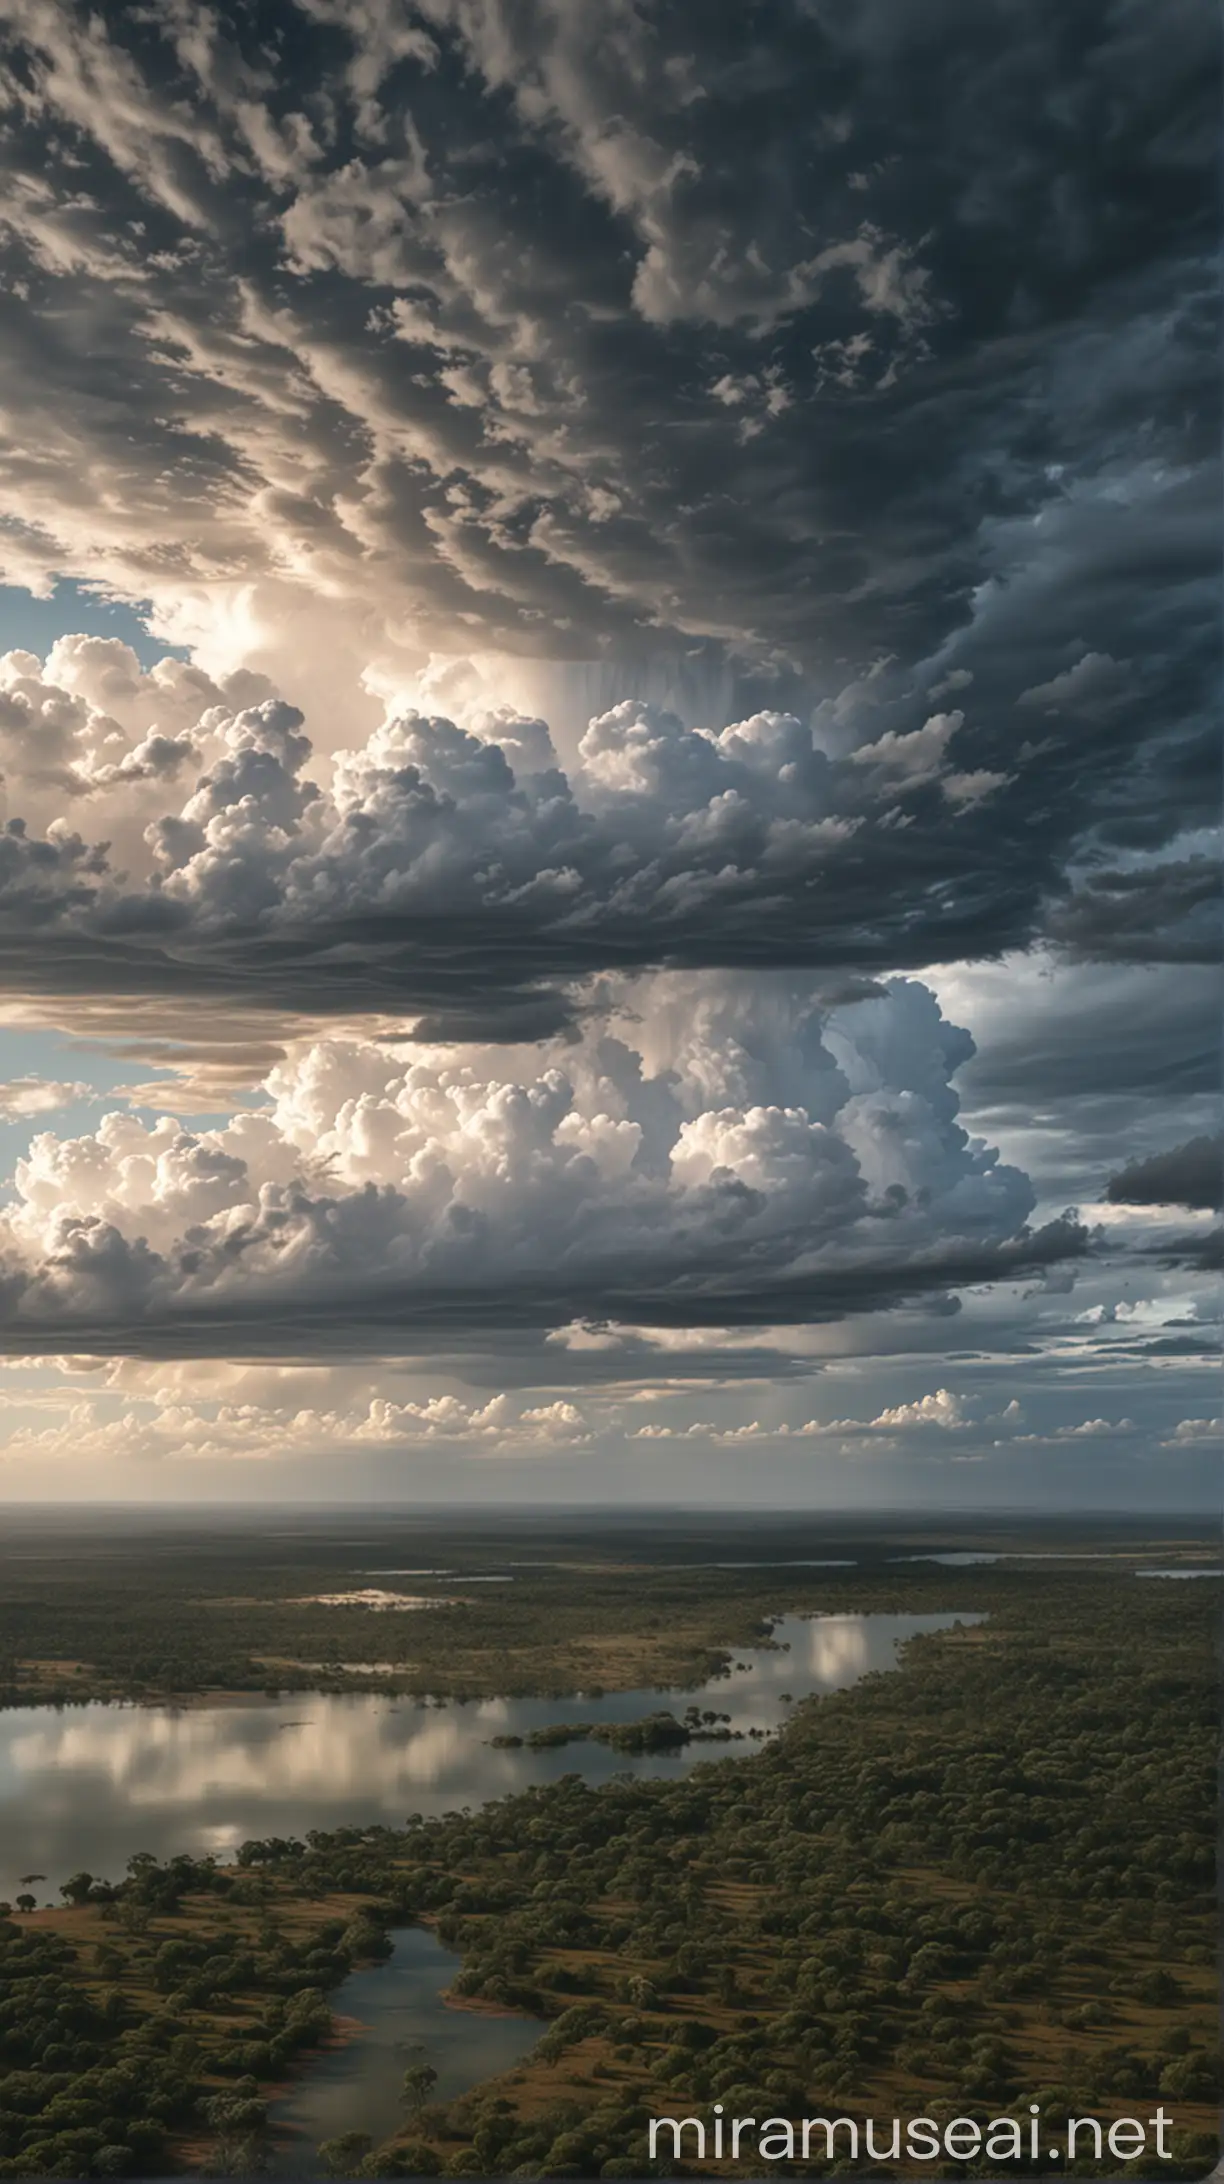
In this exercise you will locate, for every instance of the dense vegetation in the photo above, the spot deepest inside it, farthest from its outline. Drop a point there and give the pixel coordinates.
(985, 1880)
(186, 1611)
(153, 2010)
(657, 1732)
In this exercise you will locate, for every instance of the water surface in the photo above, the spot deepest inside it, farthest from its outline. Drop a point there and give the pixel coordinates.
(404, 2023)
(1180, 1573)
(86, 1786)
(961, 1558)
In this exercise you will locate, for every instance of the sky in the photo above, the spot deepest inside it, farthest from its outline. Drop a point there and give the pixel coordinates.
(609, 734)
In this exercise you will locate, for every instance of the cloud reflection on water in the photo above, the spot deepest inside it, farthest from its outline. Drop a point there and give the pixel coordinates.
(89, 1785)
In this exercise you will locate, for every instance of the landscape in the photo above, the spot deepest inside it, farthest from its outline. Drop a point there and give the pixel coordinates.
(611, 1152)
(938, 1839)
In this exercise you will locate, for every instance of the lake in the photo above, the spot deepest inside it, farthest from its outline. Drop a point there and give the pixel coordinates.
(89, 1785)
(404, 2022)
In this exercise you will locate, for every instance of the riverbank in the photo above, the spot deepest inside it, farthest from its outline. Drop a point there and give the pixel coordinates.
(90, 1785)
(203, 1619)
(985, 1878)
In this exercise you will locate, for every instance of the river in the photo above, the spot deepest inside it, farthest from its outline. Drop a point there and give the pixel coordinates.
(87, 1786)
(399, 2006)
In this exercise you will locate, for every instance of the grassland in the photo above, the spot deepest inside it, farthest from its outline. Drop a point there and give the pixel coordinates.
(984, 1880)
(189, 1613)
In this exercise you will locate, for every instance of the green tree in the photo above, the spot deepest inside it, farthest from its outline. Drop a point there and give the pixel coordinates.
(417, 2085)
(344, 2156)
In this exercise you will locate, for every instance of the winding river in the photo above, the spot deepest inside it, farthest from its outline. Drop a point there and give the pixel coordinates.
(89, 1785)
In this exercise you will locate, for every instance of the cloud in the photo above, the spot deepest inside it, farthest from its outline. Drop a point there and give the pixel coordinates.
(1167, 911)
(186, 1432)
(942, 1409)
(916, 757)
(649, 505)
(23, 1096)
(1080, 1066)
(742, 1154)
(1203, 1251)
(594, 335)
(1187, 1175)
(395, 873)
(1196, 1433)
(1089, 1429)
(1094, 683)
(1054, 1035)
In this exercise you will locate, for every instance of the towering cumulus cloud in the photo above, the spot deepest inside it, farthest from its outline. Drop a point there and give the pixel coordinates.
(165, 825)
(790, 1161)
(583, 581)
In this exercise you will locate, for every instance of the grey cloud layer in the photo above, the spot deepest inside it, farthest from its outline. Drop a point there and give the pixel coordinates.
(1187, 1175)
(601, 313)
(871, 349)
(831, 392)
(462, 874)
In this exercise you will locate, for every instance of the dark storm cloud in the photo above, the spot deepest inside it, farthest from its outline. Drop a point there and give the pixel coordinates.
(141, 1317)
(537, 1358)
(1079, 1067)
(868, 350)
(1098, 1033)
(1169, 914)
(466, 877)
(1186, 1175)
(1202, 1253)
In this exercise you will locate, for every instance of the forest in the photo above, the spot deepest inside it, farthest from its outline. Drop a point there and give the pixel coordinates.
(557, 1608)
(983, 1880)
